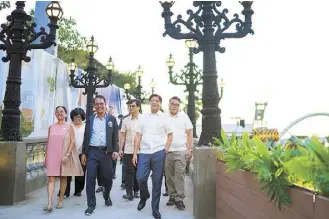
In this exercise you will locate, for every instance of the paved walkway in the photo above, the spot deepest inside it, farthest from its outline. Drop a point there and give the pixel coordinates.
(74, 207)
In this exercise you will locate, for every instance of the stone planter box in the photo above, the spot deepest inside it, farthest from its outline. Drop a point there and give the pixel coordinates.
(238, 196)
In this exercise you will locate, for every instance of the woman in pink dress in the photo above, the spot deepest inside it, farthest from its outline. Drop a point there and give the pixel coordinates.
(62, 157)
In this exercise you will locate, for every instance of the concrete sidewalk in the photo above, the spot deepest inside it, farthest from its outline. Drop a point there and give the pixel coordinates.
(74, 207)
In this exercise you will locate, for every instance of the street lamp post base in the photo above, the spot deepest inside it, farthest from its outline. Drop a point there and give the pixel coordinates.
(10, 128)
(211, 128)
(12, 172)
(204, 180)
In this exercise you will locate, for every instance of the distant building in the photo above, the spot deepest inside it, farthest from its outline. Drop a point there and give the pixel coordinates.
(229, 129)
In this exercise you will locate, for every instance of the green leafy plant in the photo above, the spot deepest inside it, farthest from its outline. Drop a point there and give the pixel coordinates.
(235, 154)
(270, 171)
(312, 166)
(268, 163)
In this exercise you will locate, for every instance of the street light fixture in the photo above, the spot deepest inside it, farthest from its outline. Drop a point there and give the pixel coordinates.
(54, 10)
(92, 46)
(209, 26)
(138, 92)
(139, 83)
(72, 66)
(191, 77)
(170, 61)
(152, 85)
(91, 80)
(140, 71)
(110, 66)
(18, 36)
(127, 88)
(190, 43)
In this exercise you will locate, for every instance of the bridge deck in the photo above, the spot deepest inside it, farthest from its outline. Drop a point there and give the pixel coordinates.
(74, 207)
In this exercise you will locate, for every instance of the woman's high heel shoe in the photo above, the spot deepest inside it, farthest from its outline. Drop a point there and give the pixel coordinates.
(58, 206)
(48, 210)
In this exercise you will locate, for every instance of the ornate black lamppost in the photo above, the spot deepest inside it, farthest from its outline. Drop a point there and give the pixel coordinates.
(191, 77)
(208, 25)
(18, 36)
(138, 92)
(91, 80)
(152, 85)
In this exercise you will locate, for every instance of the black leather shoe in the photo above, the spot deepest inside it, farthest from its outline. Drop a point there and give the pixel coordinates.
(100, 189)
(90, 210)
(171, 202)
(130, 197)
(77, 194)
(180, 205)
(141, 204)
(108, 202)
(156, 214)
(106, 196)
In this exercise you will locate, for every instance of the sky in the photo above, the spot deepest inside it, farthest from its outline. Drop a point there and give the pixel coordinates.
(284, 63)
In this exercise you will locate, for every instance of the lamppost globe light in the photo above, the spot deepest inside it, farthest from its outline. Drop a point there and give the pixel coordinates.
(191, 43)
(92, 46)
(72, 66)
(139, 71)
(221, 83)
(110, 66)
(152, 83)
(54, 10)
(170, 61)
(126, 86)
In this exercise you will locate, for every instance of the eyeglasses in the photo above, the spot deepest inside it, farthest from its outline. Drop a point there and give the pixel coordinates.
(77, 117)
(99, 104)
(175, 104)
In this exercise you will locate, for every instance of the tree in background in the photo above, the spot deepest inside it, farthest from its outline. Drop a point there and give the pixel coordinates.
(4, 5)
(72, 44)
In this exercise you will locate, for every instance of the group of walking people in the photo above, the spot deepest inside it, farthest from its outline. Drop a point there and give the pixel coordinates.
(155, 143)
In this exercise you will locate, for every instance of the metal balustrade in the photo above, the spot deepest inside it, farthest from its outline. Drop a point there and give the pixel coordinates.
(35, 168)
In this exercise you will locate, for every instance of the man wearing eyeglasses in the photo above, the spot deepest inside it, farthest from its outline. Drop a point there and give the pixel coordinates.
(127, 136)
(179, 152)
(100, 148)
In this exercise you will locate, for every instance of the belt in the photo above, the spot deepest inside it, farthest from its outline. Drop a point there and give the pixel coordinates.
(101, 148)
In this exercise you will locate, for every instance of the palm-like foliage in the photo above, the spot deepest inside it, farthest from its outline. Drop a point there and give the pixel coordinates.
(277, 167)
(312, 166)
